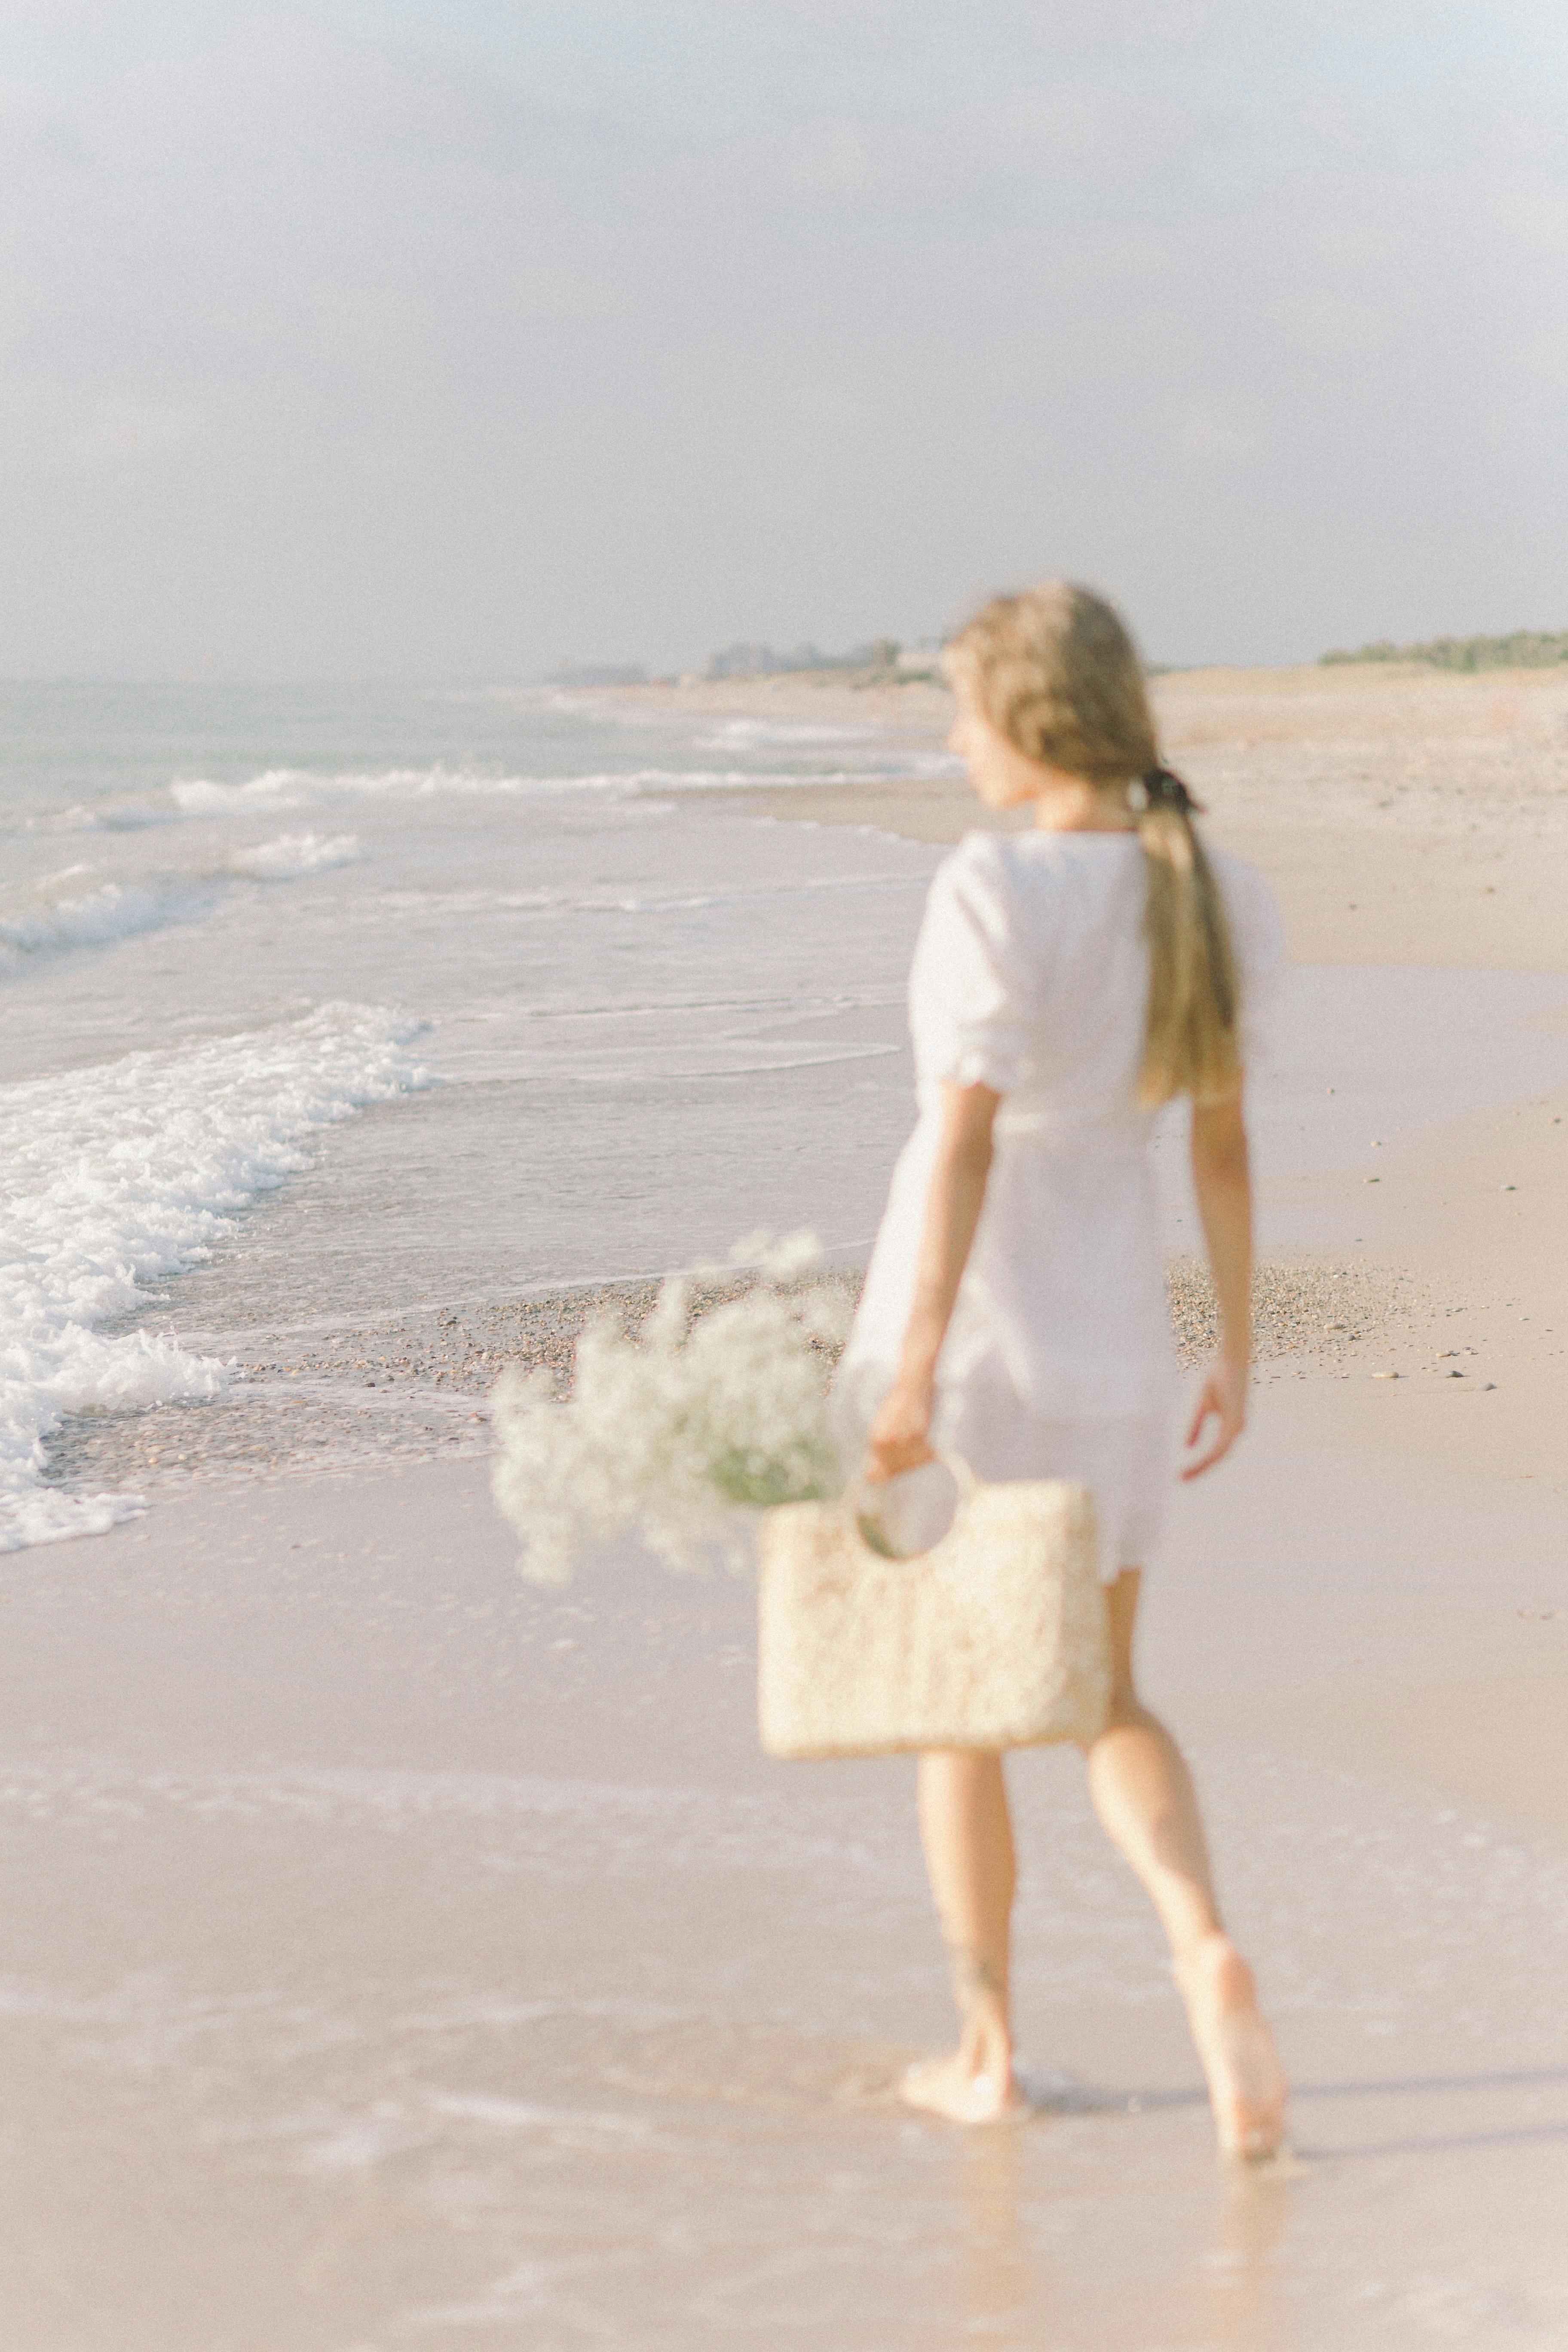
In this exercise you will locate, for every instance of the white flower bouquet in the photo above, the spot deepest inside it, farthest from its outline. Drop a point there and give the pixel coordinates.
(682, 1429)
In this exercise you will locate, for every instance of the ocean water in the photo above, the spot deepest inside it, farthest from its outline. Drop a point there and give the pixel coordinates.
(325, 1001)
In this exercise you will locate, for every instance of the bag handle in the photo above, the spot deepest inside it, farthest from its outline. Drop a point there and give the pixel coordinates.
(958, 1470)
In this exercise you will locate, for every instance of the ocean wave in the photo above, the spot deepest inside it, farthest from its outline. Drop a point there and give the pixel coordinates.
(112, 1178)
(280, 792)
(287, 789)
(293, 855)
(109, 817)
(744, 732)
(72, 910)
(72, 916)
(892, 766)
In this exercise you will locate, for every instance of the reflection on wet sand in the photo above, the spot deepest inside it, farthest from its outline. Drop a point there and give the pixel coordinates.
(1251, 2214)
(1022, 2266)
(997, 2280)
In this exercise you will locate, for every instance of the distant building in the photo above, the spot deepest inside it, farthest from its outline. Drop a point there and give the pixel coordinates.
(743, 660)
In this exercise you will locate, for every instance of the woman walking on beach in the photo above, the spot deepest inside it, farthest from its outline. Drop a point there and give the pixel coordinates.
(1069, 980)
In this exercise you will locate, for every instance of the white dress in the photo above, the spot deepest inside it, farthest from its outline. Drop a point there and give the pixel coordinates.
(1031, 976)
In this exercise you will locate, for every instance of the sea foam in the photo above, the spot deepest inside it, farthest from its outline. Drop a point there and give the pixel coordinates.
(282, 790)
(114, 1176)
(286, 789)
(108, 816)
(65, 911)
(294, 855)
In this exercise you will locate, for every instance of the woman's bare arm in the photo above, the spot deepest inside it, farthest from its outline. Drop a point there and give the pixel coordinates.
(899, 1436)
(1223, 1178)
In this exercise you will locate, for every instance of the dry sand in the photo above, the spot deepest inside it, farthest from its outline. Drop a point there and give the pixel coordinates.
(395, 1955)
(1407, 817)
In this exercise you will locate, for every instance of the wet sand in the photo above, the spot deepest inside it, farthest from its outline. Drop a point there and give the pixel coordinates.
(437, 1955)
(396, 1954)
(414, 1385)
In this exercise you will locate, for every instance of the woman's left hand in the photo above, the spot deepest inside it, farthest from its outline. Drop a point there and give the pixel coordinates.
(1223, 1402)
(899, 1437)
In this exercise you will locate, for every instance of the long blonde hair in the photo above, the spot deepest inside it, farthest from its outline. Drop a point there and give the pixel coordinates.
(1056, 672)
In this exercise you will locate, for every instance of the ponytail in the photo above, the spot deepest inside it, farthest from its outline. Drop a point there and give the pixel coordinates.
(1190, 1042)
(1055, 671)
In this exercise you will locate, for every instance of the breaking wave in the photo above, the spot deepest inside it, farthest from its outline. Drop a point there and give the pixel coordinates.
(114, 1176)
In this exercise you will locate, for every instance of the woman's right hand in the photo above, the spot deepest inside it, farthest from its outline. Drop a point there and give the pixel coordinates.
(1222, 1400)
(899, 1437)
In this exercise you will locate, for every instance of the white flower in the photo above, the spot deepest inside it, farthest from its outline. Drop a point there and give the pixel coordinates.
(680, 1430)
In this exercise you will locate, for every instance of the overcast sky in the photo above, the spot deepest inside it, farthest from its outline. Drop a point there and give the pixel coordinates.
(442, 339)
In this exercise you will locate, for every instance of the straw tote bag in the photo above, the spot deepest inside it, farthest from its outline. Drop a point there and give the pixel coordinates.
(996, 1637)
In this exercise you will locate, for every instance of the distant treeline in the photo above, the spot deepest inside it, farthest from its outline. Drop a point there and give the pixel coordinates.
(1520, 649)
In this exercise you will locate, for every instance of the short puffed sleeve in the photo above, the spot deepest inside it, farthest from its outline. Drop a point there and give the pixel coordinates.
(1258, 936)
(970, 1009)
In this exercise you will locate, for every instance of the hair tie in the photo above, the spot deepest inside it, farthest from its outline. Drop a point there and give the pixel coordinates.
(1160, 788)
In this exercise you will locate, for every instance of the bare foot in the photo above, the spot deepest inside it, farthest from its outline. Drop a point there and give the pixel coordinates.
(944, 2086)
(1246, 2083)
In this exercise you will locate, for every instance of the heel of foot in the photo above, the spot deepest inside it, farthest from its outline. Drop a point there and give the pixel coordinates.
(1245, 2081)
(1260, 2143)
(944, 2086)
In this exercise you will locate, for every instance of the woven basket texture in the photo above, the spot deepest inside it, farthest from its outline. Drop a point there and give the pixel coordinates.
(997, 1637)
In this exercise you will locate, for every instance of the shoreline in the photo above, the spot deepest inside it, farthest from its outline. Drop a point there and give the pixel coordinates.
(423, 1378)
(1404, 815)
(1416, 767)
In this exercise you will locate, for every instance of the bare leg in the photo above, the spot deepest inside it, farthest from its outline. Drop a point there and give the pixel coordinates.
(967, 1834)
(1144, 1794)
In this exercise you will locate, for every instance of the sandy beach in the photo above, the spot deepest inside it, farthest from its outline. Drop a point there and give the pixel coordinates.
(437, 1957)
(1406, 815)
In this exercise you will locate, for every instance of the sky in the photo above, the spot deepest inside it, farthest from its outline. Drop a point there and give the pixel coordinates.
(439, 340)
